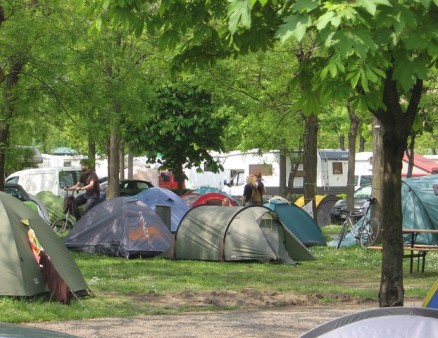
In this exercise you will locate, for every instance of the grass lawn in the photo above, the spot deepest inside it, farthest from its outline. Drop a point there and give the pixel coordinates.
(135, 287)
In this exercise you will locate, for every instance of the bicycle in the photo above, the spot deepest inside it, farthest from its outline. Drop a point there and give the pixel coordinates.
(365, 231)
(71, 210)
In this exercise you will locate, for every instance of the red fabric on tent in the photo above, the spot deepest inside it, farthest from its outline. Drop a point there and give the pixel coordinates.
(213, 198)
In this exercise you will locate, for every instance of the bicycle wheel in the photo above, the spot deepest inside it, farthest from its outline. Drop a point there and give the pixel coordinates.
(342, 234)
(61, 224)
(369, 233)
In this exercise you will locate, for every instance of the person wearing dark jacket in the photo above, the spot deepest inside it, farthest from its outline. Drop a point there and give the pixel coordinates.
(88, 182)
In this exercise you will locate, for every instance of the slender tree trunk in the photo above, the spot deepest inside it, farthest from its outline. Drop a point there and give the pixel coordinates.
(282, 173)
(361, 143)
(342, 142)
(130, 166)
(310, 157)
(410, 154)
(113, 163)
(180, 179)
(122, 160)
(92, 151)
(397, 126)
(352, 135)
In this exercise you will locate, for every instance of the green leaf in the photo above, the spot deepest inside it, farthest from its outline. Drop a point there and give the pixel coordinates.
(294, 25)
(106, 4)
(306, 6)
(239, 13)
(354, 78)
(364, 81)
(371, 5)
(333, 69)
(324, 20)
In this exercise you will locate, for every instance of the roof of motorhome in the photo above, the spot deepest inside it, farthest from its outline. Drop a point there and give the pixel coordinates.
(333, 154)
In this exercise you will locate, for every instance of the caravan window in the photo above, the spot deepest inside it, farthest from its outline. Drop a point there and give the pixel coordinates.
(68, 178)
(265, 169)
(337, 168)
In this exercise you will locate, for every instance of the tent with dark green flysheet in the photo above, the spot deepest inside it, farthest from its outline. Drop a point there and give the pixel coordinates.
(298, 222)
(22, 272)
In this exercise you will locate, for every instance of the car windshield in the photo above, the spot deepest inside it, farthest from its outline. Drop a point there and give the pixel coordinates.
(363, 192)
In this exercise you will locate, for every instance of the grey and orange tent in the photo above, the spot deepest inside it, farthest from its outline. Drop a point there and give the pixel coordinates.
(122, 226)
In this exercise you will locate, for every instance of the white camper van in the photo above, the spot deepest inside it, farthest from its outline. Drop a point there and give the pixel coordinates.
(46, 179)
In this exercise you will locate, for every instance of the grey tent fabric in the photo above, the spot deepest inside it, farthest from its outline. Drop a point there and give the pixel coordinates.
(381, 323)
(122, 227)
(252, 233)
(20, 272)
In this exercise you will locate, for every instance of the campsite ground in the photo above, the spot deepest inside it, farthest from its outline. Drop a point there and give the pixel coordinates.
(263, 317)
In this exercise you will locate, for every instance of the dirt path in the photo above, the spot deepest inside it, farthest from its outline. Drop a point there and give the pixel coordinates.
(286, 322)
(262, 319)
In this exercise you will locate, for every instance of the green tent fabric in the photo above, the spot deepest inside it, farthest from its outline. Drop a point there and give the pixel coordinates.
(419, 209)
(420, 206)
(253, 233)
(20, 272)
(298, 222)
(54, 205)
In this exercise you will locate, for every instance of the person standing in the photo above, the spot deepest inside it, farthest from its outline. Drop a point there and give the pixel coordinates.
(88, 182)
(248, 190)
(259, 190)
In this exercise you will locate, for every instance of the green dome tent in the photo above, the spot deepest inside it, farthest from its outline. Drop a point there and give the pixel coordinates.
(254, 233)
(21, 274)
(54, 205)
(420, 207)
(298, 222)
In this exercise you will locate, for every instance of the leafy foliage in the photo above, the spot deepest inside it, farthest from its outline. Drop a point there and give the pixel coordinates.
(181, 127)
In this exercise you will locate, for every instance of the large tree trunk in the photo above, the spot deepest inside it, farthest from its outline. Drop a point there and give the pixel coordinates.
(397, 126)
(310, 157)
(7, 111)
(352, 135)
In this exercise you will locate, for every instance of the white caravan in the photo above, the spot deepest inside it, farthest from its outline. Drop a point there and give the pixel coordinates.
(46, 179)
(332, 168)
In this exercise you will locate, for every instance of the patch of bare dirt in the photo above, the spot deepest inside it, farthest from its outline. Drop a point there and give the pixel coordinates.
(258, 314)
(245, 299)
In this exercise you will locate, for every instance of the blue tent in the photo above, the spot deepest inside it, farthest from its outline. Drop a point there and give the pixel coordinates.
(298, 222)
(161, 196)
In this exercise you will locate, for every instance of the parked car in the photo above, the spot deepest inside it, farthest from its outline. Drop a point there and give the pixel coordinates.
(127, 187)
(361, 202)
(18, 191)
